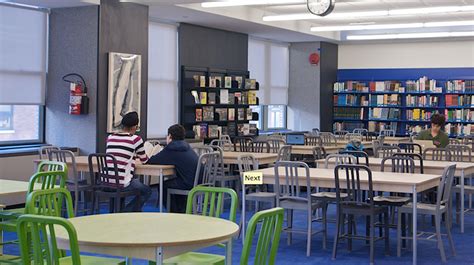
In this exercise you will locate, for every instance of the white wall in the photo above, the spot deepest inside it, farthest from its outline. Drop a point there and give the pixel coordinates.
(407, 55)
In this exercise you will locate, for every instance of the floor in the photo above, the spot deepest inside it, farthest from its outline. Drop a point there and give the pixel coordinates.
(296, 253)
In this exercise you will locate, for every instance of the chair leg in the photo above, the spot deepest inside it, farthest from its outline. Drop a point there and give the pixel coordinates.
(438, 237)
(309, 231)
(458, 208)
(448, 232)
(367, 229)
(289, 225)
(404, 227)
(336, 237)
(168, 202)
(372, 236)
(97, 204)
(387, 234)
(117, 209)
(349, 232)
(399, 233)
(325, 225)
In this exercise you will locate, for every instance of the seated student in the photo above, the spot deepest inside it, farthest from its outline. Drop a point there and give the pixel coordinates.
(126, 147)
(179, 154)
(439, 137)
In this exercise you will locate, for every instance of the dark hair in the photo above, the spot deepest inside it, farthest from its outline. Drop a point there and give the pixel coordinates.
(438, 119)
(176, 132)
(130, 119)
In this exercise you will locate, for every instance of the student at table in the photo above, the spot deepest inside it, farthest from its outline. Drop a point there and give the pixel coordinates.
(435, 133)
(127, 147)
(179, 154)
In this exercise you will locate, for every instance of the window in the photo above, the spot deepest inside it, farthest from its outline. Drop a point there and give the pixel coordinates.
(23, 50)
(269, 64)
(162, 78)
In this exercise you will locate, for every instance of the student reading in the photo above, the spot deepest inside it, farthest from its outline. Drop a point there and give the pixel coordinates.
(125, 146)
(435, 133)
(179, 154)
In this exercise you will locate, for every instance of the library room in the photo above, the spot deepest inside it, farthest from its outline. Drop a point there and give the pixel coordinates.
(201, 132)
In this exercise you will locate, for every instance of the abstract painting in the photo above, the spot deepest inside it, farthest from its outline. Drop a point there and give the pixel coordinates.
(124, 88)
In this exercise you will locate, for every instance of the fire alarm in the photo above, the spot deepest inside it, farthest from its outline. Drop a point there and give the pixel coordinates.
(314, 58)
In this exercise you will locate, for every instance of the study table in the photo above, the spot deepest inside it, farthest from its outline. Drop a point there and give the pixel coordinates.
(330, 149)
(381, 181)
(149, 236)
(13, 192)
(463, 170)
(261, 158)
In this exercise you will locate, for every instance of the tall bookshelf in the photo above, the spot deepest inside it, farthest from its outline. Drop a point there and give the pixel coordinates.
(214, 102)
(404, 105)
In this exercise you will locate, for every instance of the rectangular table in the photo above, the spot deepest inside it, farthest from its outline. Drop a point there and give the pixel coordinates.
(330, 149)
(381, 181)
(395, 140)
(262, 158)
(13, 192)
(463, 169)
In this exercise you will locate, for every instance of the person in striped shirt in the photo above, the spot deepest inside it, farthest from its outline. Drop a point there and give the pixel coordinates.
(126, 147)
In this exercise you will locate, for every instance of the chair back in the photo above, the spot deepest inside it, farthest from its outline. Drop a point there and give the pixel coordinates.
(202, 149)
(319, 152)
(359, 155)
(328, 139)
(411, 148)
(468, 140)
(49, 202)
(400, 164)
(340, 159)
(209, 201)
(208, 170)
(47, 180)
(313, 140)
(387, 133)
(47, 165)
(443, 196)
(226, 137)
(437, 154)
(66, 156)
(341, 134)
(243, 144)
(261, 147)
(348, 180)
(104, 171)
(360, 131)
(454, 141)
(43, 151)
(315, 132)
(354, 137)
(284, 154)
(268, 225)
(414, 157)
(224, 144)
(386, 151)
(247, 163)
(289, 187)
(275, 144)
(460, 152)
(37, 236)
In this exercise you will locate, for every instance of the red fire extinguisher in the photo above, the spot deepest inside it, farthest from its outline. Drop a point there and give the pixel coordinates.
(78, 100)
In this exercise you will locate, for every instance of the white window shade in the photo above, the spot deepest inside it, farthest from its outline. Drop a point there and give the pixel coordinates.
(23, 34)
(162, 78)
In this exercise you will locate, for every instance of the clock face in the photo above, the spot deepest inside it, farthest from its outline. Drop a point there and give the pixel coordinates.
(320, 7)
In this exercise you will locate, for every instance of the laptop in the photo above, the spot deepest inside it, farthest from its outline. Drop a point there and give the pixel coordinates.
(295, 139)
(425, 143)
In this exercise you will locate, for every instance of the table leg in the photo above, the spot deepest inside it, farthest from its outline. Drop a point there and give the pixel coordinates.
(159, 256)
(462, 201)
(228, 252)
(242, 231)
(161, 191)
(128, 261)
(415, 231)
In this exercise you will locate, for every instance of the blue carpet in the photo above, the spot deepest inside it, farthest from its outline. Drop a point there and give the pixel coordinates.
(296, 253)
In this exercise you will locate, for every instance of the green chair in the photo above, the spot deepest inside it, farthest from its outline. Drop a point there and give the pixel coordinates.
(268, 224)
(206, 201)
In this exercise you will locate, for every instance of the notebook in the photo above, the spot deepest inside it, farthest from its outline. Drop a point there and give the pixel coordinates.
(295, 139)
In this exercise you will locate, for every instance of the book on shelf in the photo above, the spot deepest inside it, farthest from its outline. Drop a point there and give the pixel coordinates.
(239, 80)
(244, 98)
(252, 97)
(218, 81)
(231, 98)
(222, 113)
(208, 113)
(253, 129)
(237, 98)
(459, 100)
(249, 114)
(231, 114)
(228, 82)
(232, 128)
(203, 97)
(224, 96)
(212, 81)
(375, 126)
(347, 126)
(243, 129)
(247, 84)
(349, 86)
(211, 99)
(213, 131)
(202, 82)
(349, 113)
(253, 84)
(416, 128)
(198, 114)
(465, 115)
(458, 129)
(422, 101)
(419, 114)
(196, 96)
(196, 79)
(241, 114)
(200, 131)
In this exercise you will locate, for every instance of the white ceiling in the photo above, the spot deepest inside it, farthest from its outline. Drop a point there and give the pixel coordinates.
(249, 19)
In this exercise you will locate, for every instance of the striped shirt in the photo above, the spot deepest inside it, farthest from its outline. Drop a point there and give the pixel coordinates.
(126, 148)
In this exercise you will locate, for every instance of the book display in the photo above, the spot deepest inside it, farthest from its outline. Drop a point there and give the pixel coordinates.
(216, 102)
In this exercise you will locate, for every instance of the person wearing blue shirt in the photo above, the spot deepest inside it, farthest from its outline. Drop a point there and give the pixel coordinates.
(179, 154)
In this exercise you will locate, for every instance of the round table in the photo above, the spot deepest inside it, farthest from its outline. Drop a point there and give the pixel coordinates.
(150, 236)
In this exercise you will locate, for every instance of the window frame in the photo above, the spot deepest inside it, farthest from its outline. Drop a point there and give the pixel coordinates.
(266, 120)
(41, 130)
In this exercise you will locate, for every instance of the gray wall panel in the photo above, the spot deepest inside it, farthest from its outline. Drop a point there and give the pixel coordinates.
(329, 54)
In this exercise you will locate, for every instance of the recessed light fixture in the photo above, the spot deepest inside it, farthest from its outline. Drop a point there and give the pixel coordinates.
(394, 26)
(379, 13)
(250, 3)
(420, 35)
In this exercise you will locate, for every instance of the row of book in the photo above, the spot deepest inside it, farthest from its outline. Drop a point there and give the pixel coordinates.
(350, 86)
(459, 100)
(374, 126)
(459, 129)
(209, 113)
(419, 114)
(422, 101)
(224, 97)
(460, 86)
(416, 128)
(349, 113)
(459, 114)
(204, 130)
(423, 85)
(236, 82)
(347, 126)
(384, 113)
(370, 100)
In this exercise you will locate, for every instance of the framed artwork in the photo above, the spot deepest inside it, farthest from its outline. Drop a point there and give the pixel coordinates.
(124, 92)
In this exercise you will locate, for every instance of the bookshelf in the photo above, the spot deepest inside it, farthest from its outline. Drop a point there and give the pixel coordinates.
(404, 105)
(217, 101)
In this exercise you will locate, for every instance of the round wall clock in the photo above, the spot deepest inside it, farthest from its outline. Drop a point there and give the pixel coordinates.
(320, 7)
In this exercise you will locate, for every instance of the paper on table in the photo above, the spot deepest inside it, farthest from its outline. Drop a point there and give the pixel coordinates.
(151, 149)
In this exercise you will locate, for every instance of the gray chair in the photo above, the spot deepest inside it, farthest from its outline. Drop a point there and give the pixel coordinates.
(454, 141)
(341, 134)
(226, 145)
(284, 154)
(44, 151)
(225, 175)
(318, 153)
(290, 198)
(375, 145)
(437, 154)
(339, 159)
(225, 137)
(468, 140)
(414, 157)
(243, 144)
(315, 132)
(386, 151)
(275, 144)
(313, 140)
(328, 139)
(358, 156)
(460, 152)
(261, 147)
(207, 173)
(202, 149)
(252, 192)
(76, 183)
(354, 137)
(440, 208)
(347, 178)
(411, 148)
(387, 133)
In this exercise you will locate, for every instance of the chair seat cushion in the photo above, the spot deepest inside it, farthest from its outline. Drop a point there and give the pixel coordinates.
(422, 208)
(92, 260)
(391, 199)
(260, 194)
(467, 188)
(327, 194)
(196, 259)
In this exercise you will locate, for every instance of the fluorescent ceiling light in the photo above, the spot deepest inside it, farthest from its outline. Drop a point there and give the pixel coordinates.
(379, 13)
(250, 3)
(394, 26)
(420, 35)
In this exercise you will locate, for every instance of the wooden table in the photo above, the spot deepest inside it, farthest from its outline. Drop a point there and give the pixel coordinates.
(150, 236)
(463, 170)
(330, 149)
(381, 181)
(396, 140)
(262, 158)
(14, 192)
